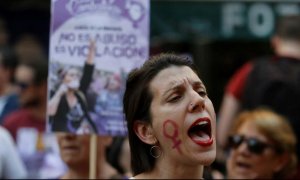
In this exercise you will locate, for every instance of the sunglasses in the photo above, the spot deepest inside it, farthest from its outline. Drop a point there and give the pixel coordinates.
(254, 145)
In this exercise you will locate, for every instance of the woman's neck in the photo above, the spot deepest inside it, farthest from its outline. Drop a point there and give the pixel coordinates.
(171, 170)
(106, 171)
(289, 49)
(75, 174)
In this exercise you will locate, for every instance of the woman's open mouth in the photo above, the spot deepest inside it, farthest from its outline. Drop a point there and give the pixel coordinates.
(200, 132)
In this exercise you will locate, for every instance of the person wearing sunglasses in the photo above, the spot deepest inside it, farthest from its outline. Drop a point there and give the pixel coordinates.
(262, 144)
(75, 152)
(9, 99)
(31, 82)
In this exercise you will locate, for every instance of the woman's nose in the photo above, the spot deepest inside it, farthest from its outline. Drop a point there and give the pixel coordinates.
(197, 103)
(243, 149)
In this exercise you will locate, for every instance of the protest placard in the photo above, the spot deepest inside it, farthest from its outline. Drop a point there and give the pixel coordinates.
(93, 46)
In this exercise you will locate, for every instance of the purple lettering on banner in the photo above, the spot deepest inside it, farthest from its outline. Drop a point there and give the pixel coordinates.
(83, 37)
(69, 37)
(72, 50)
(60, 49)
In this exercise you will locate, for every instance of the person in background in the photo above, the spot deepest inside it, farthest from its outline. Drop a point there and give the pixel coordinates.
(262, 145)
(27, 125)
(170, 120)
(11, 165)
(75, 152)
(269, 81)
(110, 96)
(28, 47)
(108, 106)
(31, 79)
(9, 100)
(118, 155)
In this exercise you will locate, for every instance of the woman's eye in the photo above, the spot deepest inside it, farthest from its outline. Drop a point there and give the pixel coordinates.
(174, 98)
(202, 93)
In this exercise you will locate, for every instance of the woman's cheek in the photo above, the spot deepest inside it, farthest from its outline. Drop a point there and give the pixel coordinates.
(171, 134)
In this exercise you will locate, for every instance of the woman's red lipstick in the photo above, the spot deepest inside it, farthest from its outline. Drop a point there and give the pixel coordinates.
(200, 132)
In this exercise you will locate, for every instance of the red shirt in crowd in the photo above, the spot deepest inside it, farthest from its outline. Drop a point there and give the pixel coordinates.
(237, 82)
(23, 118)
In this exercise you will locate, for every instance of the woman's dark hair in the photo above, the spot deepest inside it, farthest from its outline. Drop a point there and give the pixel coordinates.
(137, 101)
(114, 153)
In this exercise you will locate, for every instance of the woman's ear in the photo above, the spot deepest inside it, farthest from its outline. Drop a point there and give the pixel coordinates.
(281, 162)
(145, 132)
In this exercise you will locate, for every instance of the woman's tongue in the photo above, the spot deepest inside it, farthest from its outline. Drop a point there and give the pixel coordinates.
(200, 136)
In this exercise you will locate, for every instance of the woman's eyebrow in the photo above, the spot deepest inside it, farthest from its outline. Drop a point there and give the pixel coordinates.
(198, 84)
(174, 86)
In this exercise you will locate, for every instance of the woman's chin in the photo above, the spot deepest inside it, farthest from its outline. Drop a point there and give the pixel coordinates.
(206, 158)
(210, 159)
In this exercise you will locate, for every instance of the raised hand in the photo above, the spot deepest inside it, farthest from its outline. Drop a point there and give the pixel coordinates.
(91, 53)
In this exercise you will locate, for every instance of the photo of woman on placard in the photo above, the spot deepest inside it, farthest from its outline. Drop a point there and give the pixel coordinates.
(68, 107)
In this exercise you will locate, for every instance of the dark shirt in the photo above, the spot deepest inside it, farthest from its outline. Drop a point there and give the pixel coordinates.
(60, 121)
(12, 104)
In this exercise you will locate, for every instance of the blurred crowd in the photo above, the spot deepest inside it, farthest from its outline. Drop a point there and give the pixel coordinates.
(257, 125)
(28, 150)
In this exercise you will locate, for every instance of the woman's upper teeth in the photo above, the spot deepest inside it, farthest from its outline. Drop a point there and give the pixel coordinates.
(202, 122)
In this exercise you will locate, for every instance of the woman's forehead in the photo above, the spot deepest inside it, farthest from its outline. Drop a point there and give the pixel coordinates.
(24, 72)
(174, 76)
(250, 128)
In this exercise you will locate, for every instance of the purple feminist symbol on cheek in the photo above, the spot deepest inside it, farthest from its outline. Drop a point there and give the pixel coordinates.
(173, 136)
